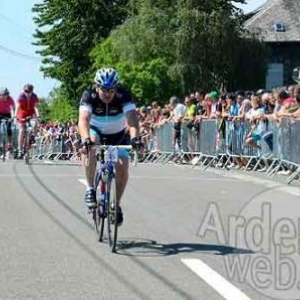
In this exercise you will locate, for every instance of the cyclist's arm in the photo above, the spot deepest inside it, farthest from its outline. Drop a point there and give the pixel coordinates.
(37, 112)
(133, 123)
(84, 123)
(16, 110)
(85, 113)
(12, 113)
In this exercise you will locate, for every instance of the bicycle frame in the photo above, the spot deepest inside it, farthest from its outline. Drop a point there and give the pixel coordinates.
(105, 187)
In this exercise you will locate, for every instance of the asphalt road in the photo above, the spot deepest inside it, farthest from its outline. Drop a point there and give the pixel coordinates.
(184, 233)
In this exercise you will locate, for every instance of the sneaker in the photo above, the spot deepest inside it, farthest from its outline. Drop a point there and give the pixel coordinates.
(119, 216)
(8, 155)
(20, 154)
(90, 199)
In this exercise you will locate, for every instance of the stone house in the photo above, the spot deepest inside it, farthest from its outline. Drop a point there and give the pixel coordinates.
(278, 24)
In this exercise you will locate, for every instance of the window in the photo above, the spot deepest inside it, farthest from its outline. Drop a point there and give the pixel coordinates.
(279, 26)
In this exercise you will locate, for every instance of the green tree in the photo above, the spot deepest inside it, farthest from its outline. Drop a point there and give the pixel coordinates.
(44, 109)
(60, 108)
(148, 80)
(200, 44)
(67, 31)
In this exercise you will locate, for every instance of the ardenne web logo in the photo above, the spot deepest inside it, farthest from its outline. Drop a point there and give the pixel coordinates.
(264, 245)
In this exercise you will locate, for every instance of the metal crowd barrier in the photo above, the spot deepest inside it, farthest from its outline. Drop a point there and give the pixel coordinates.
(55, 150)
(219, 143)
(210, 143)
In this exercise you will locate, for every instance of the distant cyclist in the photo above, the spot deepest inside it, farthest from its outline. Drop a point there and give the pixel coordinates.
(106, 109)
(7, 106)
(26, 106)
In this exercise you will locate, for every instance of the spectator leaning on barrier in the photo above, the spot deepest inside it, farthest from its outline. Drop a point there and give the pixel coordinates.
(288, 100)
(272, 113)
(216, 101)
(294, 111)
(164, 117)
(177, 115)
(190, 111)
(258, 126)
(207, 106)
(199, 95)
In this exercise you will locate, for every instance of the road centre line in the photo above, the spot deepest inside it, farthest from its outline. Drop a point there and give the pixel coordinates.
(215, 280)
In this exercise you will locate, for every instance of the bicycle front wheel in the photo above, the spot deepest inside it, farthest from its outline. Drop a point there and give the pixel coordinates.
(98, 212)
(135, 158)
(26, 157)
(3, 149)
(112, 225)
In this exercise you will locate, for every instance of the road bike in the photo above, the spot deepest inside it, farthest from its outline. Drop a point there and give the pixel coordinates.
(106, 194)
(29, 127)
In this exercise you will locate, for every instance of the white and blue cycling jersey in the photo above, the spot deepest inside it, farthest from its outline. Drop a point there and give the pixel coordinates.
(109, 119)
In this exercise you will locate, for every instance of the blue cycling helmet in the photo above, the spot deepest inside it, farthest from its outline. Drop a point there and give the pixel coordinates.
(107, 78)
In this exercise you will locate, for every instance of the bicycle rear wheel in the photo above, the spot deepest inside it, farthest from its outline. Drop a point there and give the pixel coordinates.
(99, 221)
(26, 149)
(112, 225)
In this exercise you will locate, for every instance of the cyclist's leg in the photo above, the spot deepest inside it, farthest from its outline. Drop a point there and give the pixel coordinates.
(21, 136)
(9, 133)
(9, 139)
(89, 171)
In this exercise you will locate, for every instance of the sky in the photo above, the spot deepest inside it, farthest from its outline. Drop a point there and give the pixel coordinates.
(19, 64)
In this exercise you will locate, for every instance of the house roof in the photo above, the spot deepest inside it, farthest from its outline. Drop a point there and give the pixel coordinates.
(284, 13)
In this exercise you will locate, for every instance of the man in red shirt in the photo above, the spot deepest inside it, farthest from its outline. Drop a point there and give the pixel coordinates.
(7, 106)
(26, 107)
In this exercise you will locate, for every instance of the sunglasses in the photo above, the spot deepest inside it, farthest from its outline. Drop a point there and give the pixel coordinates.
(108, 91)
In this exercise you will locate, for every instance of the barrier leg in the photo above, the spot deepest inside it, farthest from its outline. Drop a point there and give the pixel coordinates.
(293, 176)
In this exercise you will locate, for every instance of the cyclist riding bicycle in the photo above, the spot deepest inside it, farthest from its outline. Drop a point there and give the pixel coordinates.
(26, 107)
(7, 106)
(106, 110)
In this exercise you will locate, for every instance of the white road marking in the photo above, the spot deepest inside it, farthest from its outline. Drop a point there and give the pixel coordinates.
(215, 280)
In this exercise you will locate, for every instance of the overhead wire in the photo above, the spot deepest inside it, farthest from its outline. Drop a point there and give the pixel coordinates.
(13, 52)
(18, 54)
